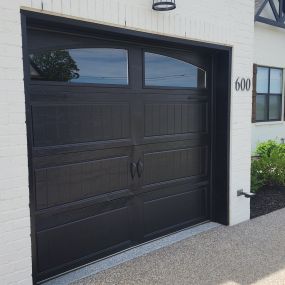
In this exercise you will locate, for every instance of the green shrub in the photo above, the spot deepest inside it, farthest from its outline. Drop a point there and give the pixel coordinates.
(281, 150)
(269, 168)
(265, 148)
(257, 180)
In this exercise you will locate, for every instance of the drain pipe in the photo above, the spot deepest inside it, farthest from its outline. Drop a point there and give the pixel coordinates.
(245, 194)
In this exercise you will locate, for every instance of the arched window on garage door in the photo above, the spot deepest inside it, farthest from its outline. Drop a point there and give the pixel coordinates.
(82, 65)
(165, 71)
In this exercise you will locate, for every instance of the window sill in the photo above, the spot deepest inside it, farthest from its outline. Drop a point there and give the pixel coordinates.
(269, 123)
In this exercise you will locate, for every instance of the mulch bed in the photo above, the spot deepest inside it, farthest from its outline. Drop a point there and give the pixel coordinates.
(267, 199)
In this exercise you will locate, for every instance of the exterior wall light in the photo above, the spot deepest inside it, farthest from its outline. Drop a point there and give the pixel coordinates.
(163, 5)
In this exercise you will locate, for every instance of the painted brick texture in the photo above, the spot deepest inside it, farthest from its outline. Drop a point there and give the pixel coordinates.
(224, 22)
(15, 244)
(269, 38)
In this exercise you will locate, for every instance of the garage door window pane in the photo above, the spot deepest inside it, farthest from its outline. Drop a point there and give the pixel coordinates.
(274, 107)
(261, 108)
(276, 81)
(262, 80)
(165, 71)
(87, 65)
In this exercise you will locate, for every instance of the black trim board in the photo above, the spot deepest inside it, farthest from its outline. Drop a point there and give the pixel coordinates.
(277, 12)
(269, 22)
(222, 57)
(26, 70)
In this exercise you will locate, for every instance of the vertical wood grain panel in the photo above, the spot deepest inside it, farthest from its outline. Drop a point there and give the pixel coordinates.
(84, 9)
(188, 162)
(75, 7)
(121, 14)
(99, 10)
(66, 6)
(47, 5)
(91, 8)
(36, 4)
(181, 22)
(57, 6)
(74, 182)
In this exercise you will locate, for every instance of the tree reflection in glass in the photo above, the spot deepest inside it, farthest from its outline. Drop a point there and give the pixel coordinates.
(55, 65)
(83, 65)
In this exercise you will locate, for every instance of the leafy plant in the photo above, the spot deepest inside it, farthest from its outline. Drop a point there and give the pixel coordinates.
(265, 148)
(269, 168)
(257, 180)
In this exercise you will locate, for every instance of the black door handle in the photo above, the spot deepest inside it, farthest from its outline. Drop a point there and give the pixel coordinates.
(140, 168)
(133, 168)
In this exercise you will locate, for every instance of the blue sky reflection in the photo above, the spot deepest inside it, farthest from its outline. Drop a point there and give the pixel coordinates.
(101, 65)
(162, 70)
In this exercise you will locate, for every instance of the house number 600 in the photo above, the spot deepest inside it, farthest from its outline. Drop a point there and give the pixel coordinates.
(242, 84)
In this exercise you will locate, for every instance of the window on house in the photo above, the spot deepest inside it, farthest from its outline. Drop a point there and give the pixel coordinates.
(85, 65)
(268, 94)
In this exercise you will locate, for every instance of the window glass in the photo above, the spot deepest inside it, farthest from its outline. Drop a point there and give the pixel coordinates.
(165, 71)
(267, 12)
(86, 65)
(274, 107)
(269, 102)
(277, 4)
(261, 114)
(262, 80)
(275, 81)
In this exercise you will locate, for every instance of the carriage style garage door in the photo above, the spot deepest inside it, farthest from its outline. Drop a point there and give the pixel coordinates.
(120, 143)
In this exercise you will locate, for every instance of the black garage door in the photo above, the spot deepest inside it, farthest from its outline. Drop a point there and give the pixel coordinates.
(120, 145)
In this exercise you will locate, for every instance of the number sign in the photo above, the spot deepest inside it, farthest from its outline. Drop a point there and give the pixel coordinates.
(242, 84)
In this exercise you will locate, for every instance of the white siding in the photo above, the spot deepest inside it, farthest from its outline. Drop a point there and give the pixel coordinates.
(15, 244)
(269, 43)
(267, 131)
(224, 22)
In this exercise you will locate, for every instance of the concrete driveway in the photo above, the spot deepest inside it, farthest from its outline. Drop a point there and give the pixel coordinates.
(249, 253)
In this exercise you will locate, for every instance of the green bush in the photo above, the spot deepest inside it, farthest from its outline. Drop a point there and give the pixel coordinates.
(269, 168)
(265, 148)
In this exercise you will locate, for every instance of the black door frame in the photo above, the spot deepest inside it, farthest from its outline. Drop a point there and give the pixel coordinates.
(221, 94)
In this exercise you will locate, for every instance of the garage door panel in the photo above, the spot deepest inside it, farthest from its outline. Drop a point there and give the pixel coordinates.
(80, 210)
(80, 123)
(193, 181)
(92, 236)
(165, 213)
(168, 118)
(73, 182)
(175, 164)
(120, 145)
(59, 92)
(73, 157)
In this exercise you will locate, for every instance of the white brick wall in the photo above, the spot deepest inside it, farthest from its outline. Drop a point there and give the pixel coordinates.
(221, 21)
(15, 244)
(269, 38)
